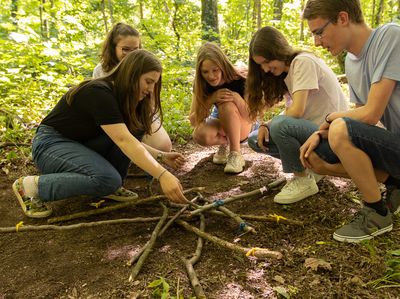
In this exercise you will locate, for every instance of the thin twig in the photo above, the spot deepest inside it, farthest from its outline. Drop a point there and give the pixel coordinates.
(153, 238)
(257, 252)
(239, 196)
(115, 207)
(189, 263)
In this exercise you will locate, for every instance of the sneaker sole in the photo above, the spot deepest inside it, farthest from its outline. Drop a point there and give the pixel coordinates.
(220, 162)
(362, 238)
(304, 195)
(23, 205)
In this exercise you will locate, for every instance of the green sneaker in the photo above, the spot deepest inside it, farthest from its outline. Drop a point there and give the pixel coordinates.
(365, 225)
(122, 194)
(32, 207)
(392, 199)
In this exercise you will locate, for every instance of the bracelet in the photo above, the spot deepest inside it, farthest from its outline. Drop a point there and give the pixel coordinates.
(327, 120)
(164, 171)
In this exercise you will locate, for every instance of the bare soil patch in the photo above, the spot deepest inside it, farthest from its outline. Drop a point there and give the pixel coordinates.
(91, 262)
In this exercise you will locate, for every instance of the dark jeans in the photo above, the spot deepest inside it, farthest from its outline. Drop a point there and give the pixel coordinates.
(70, 168)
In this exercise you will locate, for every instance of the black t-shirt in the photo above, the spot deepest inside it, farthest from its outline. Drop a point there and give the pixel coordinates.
(237, 85)
(94, 105)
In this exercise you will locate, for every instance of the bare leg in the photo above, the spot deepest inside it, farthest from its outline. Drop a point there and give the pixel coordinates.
(235, 127)
(355, 162)
(159, 139)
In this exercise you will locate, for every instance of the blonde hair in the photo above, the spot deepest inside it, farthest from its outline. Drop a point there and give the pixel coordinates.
(212, 52)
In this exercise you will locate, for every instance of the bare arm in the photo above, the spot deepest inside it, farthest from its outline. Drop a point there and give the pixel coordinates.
(299, 104)
(139, 155)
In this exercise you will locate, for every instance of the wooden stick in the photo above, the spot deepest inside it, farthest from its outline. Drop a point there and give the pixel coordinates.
(261, 253)
(216, 204)
(115, 207)
(189, 263)
(25, 228)
(153, 238)
(136, 256)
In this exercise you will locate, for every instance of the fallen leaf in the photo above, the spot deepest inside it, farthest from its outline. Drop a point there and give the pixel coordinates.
(315, 264)
(279, 279)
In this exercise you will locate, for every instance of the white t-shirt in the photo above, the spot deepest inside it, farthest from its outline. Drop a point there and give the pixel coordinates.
(379, 58)
(308, 72)
(98, 71)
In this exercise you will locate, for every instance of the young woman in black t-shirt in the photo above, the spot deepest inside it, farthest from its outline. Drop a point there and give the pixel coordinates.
(84, 146)
(220, 87)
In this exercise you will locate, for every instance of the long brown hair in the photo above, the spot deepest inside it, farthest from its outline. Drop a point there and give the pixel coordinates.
(264, 89)
(108, 55)
(124, 80)
(210, 51)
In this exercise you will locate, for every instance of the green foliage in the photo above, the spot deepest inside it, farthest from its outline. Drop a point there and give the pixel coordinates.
(46, 50)
(161, 289)
(392, 275)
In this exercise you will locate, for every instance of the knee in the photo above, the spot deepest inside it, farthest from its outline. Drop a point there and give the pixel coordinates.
(107, 183)
(228, 108)
(205, 135)
(338, 134)
(278, 126)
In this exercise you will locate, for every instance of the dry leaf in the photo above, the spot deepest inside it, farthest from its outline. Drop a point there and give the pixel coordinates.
(315, 264)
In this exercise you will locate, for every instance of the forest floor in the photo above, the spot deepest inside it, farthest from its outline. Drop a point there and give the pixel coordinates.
(90, 262)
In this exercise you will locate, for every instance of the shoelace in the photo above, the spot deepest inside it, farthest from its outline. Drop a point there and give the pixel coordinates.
(361, 217)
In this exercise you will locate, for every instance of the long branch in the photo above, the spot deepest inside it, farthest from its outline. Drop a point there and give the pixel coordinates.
(115, 207)
(189, 263)
(257, 252)
(239, 196)
(153, 238)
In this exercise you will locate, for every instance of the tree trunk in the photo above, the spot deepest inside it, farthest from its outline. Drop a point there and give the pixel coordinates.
(14, 12)
(257, 14)
(209, 20)
(379, 12)
(302, 23)
(44, 28)
(278, 6)
(103, 11)
(141, 9)
(111, 10)
(178, 36)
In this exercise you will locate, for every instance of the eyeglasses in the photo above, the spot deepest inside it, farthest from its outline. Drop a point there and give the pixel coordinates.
(318, 32)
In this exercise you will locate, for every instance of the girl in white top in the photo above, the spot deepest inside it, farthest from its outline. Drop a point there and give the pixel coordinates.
(121, 40)
(311, 90)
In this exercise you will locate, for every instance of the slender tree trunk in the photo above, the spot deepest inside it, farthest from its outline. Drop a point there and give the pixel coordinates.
(302, 23)
(278, 6)
(257, 14)
(44, 28)
(178, 36)
(209, 20)
(379, 12)
(14, 11)
(141, 9)
(111, 10)
(373, 12)
(103, 11)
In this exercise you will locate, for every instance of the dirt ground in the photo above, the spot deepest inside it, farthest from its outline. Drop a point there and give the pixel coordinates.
(91, 262)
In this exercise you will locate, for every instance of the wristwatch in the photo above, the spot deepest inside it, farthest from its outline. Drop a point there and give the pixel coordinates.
(160, 156)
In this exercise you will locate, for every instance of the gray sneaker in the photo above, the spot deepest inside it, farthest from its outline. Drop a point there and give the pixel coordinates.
(392, 199)
(365, 225)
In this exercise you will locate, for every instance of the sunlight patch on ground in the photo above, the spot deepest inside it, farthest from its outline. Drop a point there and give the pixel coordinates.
(234, 291)
(123, 252)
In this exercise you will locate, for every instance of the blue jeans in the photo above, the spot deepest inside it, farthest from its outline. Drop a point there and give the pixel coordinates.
(69, 168)
(286, 135)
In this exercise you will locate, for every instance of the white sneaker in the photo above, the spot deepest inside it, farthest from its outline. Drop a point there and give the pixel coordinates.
(221, 156)
(235, 163)
(317, 177)
(297, 189)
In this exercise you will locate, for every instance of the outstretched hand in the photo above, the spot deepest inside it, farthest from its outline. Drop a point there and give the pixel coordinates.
(172, 188)
(173, 159)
